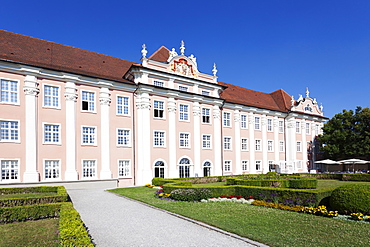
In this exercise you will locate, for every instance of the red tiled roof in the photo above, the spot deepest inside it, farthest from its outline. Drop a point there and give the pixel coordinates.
(161, 55)
(272, 101)
(46, 54)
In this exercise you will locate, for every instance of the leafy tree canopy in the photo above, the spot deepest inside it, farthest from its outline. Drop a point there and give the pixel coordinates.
(347, 135)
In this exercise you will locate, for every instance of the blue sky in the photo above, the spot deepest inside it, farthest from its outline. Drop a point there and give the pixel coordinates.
(261, 45)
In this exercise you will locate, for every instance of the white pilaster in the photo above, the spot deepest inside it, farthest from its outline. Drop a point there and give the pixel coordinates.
(304, 146)
(276, 141)
(217, 141)
(252, 145)
(144, 134)
(31, 90)
(237, 150)
(265, 165)
(105, 100)
(172, 140)
(71, 99)
(291, 145)
(196, 147)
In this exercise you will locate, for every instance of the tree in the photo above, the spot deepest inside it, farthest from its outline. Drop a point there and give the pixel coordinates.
(347, 135)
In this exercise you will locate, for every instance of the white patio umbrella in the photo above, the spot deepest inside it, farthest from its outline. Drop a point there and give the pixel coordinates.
(353, 162)
(327, 162)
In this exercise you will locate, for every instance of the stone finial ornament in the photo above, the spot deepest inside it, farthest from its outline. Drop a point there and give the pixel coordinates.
(182, 47)
(307, 93)
(300, 98)
(173, 54)
(292, 101)
(214, 71)
(193, 58)
(321, 107)
(144, 51)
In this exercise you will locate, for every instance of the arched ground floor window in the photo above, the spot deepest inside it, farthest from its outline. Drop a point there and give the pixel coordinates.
(159, 169)
(184, 168)
(207, 169)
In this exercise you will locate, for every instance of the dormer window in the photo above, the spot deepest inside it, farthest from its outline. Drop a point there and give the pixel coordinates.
(183, 88)
(204, 92)
(159, 83)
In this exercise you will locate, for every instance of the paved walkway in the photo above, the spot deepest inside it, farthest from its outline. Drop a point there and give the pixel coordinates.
(113, 220)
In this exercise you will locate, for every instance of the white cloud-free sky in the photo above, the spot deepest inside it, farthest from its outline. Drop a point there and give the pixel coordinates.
(261, 45)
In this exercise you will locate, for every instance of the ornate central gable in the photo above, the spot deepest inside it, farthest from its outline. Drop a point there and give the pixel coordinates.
(307, 105)
(182, 66)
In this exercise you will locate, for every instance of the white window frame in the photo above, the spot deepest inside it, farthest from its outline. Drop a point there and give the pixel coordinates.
(51, 97)
(95, 136)
(207, 141)
(258, 145)
(281, 126)
(308, 129)
(95, 169)
(58, 169)
(160, 138)
(59, 142)
(88, 101)
(244, 165)
(206, 111)
(257, 123)
(158, 83)
(258, 165)
(205, 93)
(297, 127)
(269, 125)
(244, 144)
(299, 146)
(184, 140)
(227, 166)
(299, 164)
(184, 115)
(243, 121)
(281, 146)
(9, 169)
(183, 88)
(270, 146)
(159, 104)
(9, 130)
(125, 138)
(227, 143)
(17, 92)
(124, 168)
(123, 106)
(226, 116)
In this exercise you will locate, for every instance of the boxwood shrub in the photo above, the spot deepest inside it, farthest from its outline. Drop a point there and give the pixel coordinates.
(191, 194)
(351, 198)
(29, 212)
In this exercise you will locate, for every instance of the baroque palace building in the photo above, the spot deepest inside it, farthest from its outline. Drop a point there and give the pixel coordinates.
(68, 114)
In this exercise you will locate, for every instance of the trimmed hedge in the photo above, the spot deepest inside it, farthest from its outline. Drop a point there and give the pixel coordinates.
(60, 196)
(72, 231)
(356, 177)
(29, 212)
(287, 182)
(351, 198)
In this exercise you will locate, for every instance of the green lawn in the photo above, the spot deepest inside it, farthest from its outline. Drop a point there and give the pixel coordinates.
(323, 183)
(266, 225)
(30, 233)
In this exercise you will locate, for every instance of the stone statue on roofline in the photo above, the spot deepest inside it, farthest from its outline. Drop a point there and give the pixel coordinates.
(173, 54)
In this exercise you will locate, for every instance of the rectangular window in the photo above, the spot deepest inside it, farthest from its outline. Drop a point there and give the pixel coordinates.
(9, 170)
(206, 141)
(270, 146)
(122, 105)
(244, 144)
(183, 88)
(9, 91)
(52, 169)
(184, 140)
(123, 137)
(299, 164)
(51, 96)
(244, 165)
(299, 149)
(88, 169)
(258, 145)
(51, 133)
(281, 127)
(257, 125)
(243, 122)
(158, 83)
(227, 166)
(184, 112)
(159, 139)
(204, 92)
(158, 109)
(281, 146)
(227, 117)
(316, 129)
(88, 136)
(307, 128)
(88, 101)
(184, 171)
(227, 143)
(9, 131)
(269, 124)
(297, 127)
(206, 118)
(258, 165)
(124, 168)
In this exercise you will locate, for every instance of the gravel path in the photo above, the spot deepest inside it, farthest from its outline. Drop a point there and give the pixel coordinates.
(113, 220)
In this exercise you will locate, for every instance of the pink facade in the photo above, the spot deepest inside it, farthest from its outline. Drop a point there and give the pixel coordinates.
(132, 122)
